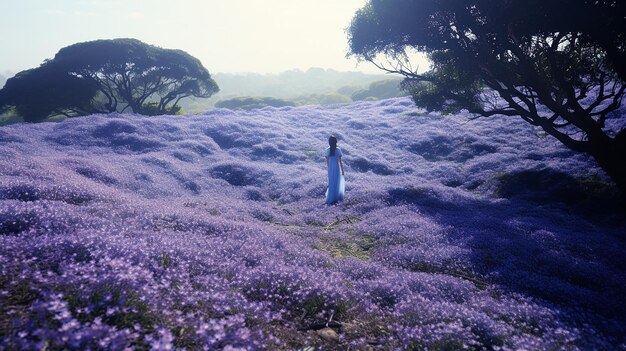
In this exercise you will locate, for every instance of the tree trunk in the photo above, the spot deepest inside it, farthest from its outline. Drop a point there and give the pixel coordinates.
(611, 157)
(135, 107)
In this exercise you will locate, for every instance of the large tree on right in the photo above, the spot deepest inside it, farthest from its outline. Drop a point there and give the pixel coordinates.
(558, 64)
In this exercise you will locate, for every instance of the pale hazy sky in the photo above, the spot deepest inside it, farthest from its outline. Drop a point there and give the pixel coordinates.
(264, 36)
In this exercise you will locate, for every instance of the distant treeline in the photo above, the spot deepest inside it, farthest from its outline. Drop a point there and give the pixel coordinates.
(249, 103)
(315, 86)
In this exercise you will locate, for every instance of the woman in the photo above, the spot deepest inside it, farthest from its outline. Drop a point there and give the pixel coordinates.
(336, 183)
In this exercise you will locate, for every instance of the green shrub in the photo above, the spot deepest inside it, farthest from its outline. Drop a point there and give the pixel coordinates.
(383, 89)
(152, 109)
(347, 90)
(249, 103)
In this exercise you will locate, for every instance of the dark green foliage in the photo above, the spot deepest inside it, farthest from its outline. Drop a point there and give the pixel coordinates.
(511, 58)
(44, 91)
(152, 109)
(10, 117)
(108, 76)
(249, 103)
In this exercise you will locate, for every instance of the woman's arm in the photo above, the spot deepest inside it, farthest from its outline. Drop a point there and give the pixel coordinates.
(326, 162)
(340, 165)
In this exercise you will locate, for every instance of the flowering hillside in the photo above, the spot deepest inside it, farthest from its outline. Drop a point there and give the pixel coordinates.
(210, 231)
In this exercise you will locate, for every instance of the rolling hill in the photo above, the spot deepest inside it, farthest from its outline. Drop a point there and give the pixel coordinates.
(211, 231)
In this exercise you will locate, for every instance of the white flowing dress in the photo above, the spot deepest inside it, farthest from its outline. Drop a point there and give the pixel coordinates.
(336, 183)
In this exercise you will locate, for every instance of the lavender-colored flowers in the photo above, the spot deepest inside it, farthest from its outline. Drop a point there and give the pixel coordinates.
(210, 232)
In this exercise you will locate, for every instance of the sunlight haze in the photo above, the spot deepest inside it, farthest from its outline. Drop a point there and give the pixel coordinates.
(263, 36)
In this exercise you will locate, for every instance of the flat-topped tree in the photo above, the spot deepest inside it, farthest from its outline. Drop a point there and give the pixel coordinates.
(44, 91)
(128, 74)
(558, 64)
(132, 73)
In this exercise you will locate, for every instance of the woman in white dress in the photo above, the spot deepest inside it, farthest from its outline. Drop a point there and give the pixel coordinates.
(336, 183)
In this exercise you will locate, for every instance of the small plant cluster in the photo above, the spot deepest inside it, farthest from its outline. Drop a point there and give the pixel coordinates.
(210, 232)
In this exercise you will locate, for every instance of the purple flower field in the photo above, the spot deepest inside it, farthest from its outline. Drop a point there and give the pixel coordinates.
(211, 232)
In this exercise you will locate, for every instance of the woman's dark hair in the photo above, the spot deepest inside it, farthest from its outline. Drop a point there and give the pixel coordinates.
(332, 141)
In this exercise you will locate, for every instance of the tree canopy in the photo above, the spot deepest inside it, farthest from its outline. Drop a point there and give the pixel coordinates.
(107, 76)
(40, 92)
(558, 64)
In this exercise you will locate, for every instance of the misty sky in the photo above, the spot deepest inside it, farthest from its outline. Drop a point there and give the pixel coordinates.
(264, 36)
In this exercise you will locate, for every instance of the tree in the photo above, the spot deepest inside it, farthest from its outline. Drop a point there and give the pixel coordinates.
(41, 92)
(558, 64)
(126, 74)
